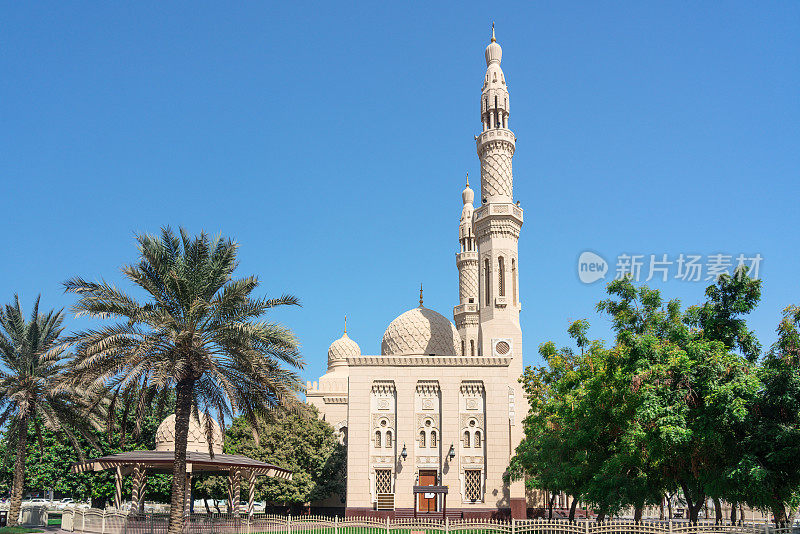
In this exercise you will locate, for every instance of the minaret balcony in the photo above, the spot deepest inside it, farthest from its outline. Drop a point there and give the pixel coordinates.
(464, 308)
(469, 255)
(498, 210)
(496, 134)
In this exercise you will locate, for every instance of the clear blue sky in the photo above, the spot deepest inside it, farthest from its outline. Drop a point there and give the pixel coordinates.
(331, 141)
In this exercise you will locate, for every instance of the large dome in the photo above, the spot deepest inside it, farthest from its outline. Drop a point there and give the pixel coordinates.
(420, 331)
(341, 349)
(196, 440)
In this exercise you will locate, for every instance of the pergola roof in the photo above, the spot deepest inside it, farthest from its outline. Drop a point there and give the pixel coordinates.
(196, 462)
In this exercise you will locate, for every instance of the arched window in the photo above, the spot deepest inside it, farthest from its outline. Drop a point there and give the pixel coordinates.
(501, 276)
(422, 439)
(433, 438)
(377, 439)
(472, 347)
(477, 438)
(514, 279)
(466, 439)
(388, 438)
(487, 280)
(463, 348)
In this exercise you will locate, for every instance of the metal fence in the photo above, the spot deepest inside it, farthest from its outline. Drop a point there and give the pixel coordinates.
(113, 522)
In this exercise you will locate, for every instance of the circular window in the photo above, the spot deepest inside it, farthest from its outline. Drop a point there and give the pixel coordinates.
(472, 422)
(502, 347)
(427, 422)
(383, 422)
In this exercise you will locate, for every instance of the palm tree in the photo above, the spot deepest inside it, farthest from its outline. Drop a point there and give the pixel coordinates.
(198, 333)
(33, 389)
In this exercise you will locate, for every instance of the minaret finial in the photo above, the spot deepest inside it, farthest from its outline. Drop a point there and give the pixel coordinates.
(420, 295)
(345, 323)
(467, 179)
(493, 39)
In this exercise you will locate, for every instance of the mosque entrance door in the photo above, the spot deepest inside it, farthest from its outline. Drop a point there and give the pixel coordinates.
(427, 501)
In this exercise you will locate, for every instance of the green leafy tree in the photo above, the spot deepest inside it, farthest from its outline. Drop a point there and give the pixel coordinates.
(769, 471)
(33, 391)
(198, 333)
(297, 441)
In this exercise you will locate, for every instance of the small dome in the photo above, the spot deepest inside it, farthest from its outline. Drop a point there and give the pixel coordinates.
(494, 54)
(468, 195)
(196, 440)
(341, 349)
(420, 331)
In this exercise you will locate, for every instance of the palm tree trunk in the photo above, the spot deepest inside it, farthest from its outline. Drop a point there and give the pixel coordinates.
(19, 472)
(183, 409)
(717, 511)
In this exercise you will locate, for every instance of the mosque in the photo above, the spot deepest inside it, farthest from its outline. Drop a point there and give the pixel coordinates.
(431, 423)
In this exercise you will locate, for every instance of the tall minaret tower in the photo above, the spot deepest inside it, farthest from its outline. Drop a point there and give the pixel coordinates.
(466, 313)
(497, 221)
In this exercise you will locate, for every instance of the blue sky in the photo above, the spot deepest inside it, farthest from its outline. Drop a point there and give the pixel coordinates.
(331, 141)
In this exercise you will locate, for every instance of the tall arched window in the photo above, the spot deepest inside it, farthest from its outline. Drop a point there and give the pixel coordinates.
(388, 438)
(377, 439)
(433, 438)
(472, 347)
(514, 279)
(466, 439)
(463, 348)
(477, 438)
(422, 439)
(487, 280)
(501, 277)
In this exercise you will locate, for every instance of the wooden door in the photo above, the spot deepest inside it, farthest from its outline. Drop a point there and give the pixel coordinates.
(427, 501)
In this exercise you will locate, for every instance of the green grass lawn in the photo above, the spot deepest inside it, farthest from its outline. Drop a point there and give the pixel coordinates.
(20, 530)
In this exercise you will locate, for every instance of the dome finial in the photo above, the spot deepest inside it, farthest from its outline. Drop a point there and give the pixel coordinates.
(345, 323)
(420, 295)
(467, 179)
(493, 39)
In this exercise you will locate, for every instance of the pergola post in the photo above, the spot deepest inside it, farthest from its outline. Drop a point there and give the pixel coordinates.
(236, 494)
(251, 488)
(118, 487)
(137, 484)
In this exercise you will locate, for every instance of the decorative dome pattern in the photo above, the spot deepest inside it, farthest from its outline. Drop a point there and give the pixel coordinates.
(196, 440)
(420, 331)
(341, 349)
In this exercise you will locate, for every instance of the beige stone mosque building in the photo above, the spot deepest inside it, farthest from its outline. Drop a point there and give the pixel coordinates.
(432, 421)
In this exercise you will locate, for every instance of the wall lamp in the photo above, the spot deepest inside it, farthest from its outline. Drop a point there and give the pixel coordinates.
(404, 452)
(452, 452)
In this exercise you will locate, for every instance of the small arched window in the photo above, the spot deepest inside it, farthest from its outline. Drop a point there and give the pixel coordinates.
(433, 438)
(487, 280)
(501, 276)
(472, 347)
(377, 439)
(466, 439)
(422, 439)
(514, 279)
(388, 438)
(463, 348)
(477, 438)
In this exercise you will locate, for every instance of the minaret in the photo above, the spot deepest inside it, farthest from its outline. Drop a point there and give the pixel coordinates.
(465, 314)
(497, 221)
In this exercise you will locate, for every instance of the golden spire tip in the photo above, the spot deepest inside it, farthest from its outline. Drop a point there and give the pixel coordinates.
(420, 295)
(345, 323)
(493, 39)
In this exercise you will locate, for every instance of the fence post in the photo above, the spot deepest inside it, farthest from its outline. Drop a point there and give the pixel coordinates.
(513, 526)
(387, 524)
(446, 525)
(586, 521)
(289, 523)
(336, 524)
(103, 523)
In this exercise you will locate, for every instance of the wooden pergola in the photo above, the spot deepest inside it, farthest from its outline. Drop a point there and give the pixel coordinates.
(140, 463)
